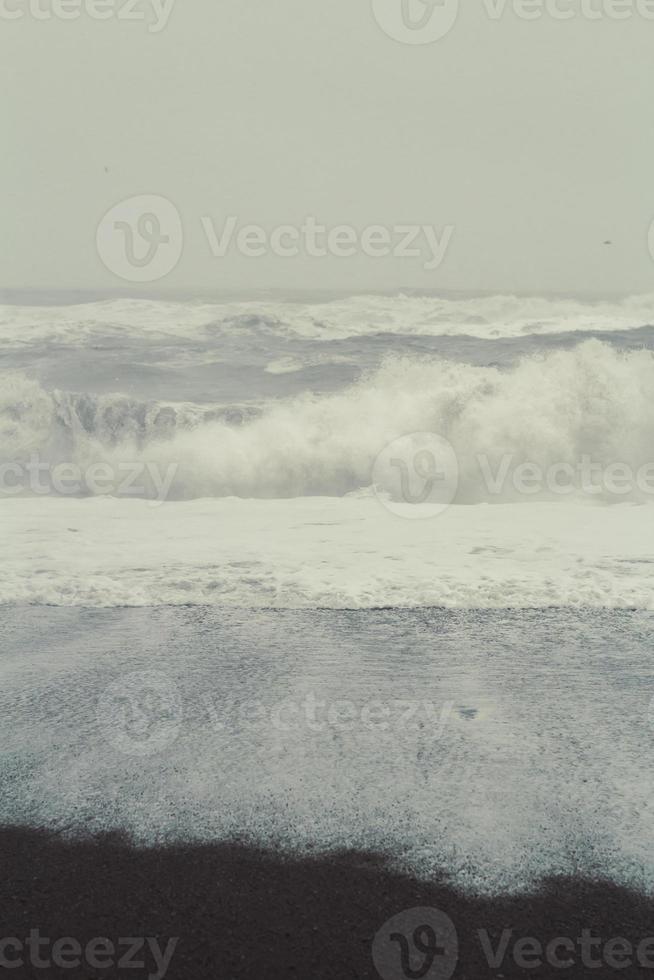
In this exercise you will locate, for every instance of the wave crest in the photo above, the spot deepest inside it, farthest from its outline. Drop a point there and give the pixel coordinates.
(550, 409)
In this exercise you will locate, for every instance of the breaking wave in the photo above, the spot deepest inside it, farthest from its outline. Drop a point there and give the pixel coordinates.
(549, 409)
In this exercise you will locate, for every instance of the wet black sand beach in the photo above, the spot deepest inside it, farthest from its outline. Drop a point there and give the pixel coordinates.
(271, 788)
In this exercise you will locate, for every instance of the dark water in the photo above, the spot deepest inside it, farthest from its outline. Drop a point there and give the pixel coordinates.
(231, 367)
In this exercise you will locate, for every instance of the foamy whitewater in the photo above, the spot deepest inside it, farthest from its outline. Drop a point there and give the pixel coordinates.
(491, 748)
(262, 555)
(255, 427)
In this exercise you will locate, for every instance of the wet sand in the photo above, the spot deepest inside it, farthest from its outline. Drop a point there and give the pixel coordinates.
(272, 787)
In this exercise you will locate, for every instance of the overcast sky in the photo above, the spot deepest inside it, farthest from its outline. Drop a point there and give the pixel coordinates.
(532, 140)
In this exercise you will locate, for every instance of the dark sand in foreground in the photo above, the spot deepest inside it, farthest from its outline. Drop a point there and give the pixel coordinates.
(242, 913)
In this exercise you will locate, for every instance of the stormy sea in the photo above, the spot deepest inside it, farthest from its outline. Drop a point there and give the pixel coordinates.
(320, 611)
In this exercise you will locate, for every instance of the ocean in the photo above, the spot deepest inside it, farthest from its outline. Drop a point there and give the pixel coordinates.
(268, 637)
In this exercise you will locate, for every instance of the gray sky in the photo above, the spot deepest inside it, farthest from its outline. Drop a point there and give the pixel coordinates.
(532, 139)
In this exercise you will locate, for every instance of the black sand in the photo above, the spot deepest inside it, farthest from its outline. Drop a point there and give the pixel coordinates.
(240, 913)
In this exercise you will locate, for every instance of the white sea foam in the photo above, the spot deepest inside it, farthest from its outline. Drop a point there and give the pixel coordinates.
(557, 409)
(488, 317)
(324, 552)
